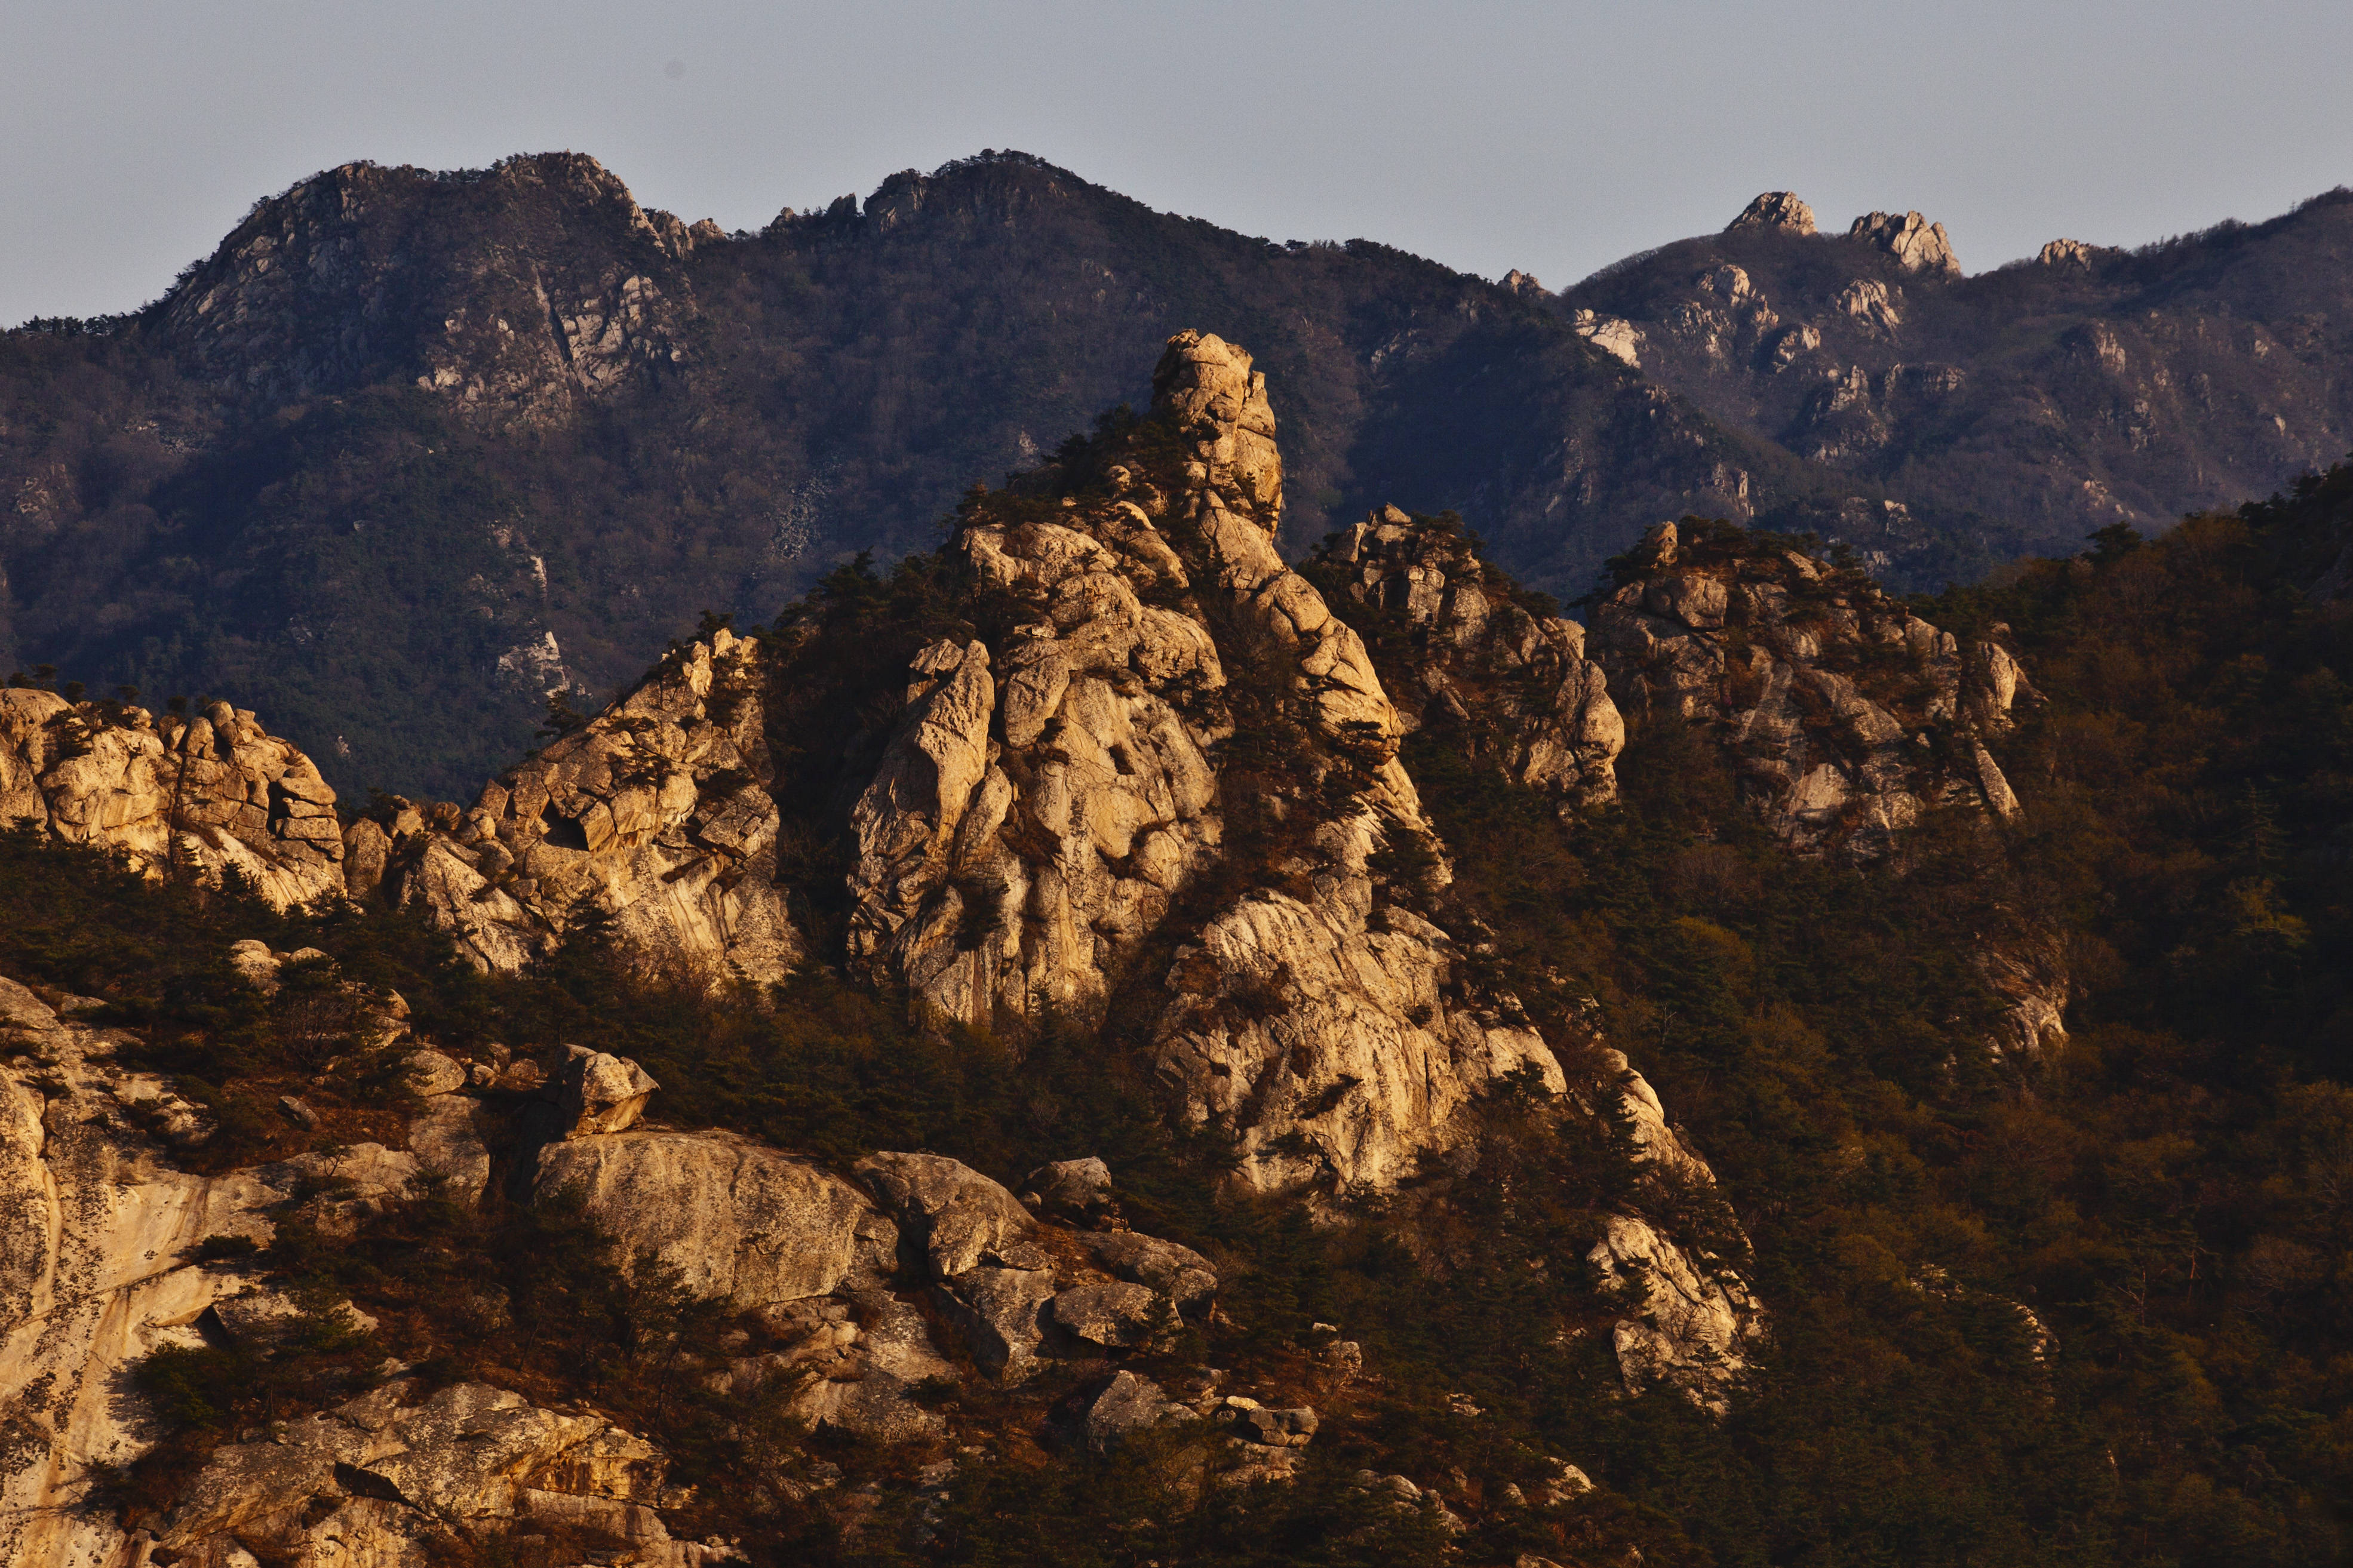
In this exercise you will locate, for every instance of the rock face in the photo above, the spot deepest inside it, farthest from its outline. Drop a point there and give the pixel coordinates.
(98, 1237)
(395, 1474)
(2071, 253)
(1774, 209)
(739, 1221)
(1015, 1286)
(1690, 1317)
(1917, 245)
(1045, 800)
(1847, 715)
(655, 815)
(196, 797)
(1618, 338)
(1689, 1327)
(1129, 1405)
(1480, 657)
(577, 294)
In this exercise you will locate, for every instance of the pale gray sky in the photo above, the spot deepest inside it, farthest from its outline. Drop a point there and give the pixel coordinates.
(1550, 137)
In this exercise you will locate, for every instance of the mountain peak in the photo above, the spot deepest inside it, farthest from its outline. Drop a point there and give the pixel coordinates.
(1917, 245)
(1774, 209)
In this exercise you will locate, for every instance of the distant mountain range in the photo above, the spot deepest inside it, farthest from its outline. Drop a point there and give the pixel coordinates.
(411, 451)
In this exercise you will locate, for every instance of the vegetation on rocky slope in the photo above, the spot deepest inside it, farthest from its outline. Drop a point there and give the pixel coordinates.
(2162, 1192)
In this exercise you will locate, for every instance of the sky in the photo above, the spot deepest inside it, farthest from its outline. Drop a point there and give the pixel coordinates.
(1552, 138)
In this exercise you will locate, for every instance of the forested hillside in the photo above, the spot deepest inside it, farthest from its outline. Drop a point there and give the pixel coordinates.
(413, 450)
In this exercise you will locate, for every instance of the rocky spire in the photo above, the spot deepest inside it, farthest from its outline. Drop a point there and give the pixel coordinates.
(1185, 714)
(1917, 245)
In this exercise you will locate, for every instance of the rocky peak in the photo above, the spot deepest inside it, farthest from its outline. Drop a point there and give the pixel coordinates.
(2071, 253)
(1774, 209)
(654, 817)
(1186, 762)
(514, 292)
(1847, 717)
(204, 797)
(1524, 284)
(1477, 657)
(1917, 245)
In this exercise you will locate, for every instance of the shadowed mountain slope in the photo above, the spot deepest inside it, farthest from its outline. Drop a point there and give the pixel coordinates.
(413, 451)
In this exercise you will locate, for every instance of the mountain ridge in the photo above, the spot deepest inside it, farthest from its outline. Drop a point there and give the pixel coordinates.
(411, 452)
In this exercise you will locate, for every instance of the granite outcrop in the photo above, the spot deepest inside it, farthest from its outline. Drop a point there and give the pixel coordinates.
(1848, 716)
(1046, 801)
(205, 797)
(653, 818)
(1479, 656)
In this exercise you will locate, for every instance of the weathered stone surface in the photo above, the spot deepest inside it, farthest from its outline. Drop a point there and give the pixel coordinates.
(956, 1218)
(1178, 1272)
(1000, 877)
(1690, 1326)
(1129, 1405)
(449, 1142)
(1481, 658)
(1917, 245)
(2073, 253)
(198, 798)
(261, 1318)
(1001, 1314)
(1774, 209)
(739, 1221)
(656, 815)
(1074, 1190)
(97, 1240)
(376, 1479)
(1114, 1315)
(431, 1073)
(1613, 335)
(596, 1092)
(1290, 1428)
(1754, 645)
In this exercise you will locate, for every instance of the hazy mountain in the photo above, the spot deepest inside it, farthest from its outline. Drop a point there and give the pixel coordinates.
(411, 450)
(2050, 398)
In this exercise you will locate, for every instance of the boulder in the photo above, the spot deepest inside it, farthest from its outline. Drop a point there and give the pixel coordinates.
(1254, 1422)
(955, 1218)
(1129, 1405)
(739, 1221)
(1178, 1272)
(1074, 1190)
(447, 1140)
(431, 1073)
(595, 1093)
(1116, 1316)
(999, 1312)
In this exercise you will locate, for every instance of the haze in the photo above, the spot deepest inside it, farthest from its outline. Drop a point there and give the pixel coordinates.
(1552, 138)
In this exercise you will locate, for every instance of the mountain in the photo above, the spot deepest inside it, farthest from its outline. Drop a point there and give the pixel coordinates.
(412, 451)
(2023, 407)
(1098, 1044)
